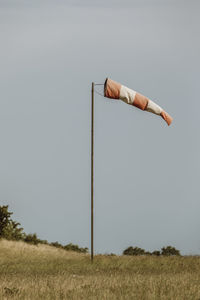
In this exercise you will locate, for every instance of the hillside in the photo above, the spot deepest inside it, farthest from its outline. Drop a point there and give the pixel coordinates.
(44, 272)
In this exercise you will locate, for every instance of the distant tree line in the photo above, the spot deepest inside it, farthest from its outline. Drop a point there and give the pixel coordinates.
(166, 251)
(11, 230)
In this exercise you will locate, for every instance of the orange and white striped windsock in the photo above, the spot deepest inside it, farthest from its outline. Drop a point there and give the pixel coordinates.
(115, 90)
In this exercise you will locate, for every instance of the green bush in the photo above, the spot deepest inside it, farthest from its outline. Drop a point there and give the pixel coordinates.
(169, 250)
(31, 239)
(57, 245)
(71, 247)
(148, 253)
(156, 252)
(134, 251)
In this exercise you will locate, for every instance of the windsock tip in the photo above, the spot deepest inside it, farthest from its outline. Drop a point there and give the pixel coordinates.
(166, 117)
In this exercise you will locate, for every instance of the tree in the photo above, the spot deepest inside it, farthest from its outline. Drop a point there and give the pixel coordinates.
(169, 250)
(9, 229)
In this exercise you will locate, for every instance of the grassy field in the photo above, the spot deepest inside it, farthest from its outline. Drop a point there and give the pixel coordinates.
(44, 272)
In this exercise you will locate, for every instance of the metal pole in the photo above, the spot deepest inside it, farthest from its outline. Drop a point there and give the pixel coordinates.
(92, 173)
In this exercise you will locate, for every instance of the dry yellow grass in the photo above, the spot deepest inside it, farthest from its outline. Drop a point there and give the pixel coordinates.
(44, 272)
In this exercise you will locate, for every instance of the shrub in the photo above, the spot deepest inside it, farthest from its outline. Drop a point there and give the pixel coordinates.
(148, 253)
(56, 244)
(32, 239)
(169, 250)
(166, 251)
(156, 252)
(71, 247)
(134, 251)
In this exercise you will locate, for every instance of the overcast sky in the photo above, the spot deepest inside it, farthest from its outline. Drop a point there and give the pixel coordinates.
(146, 173)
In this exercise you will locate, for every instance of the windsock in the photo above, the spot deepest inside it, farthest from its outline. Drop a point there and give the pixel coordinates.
(115, 90)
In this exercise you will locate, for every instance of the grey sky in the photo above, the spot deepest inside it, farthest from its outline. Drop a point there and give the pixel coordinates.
(146, 174)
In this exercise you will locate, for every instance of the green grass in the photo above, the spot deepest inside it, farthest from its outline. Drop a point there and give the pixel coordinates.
(44, 272)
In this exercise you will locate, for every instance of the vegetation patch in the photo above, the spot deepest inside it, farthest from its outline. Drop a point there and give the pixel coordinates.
(11, 230)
